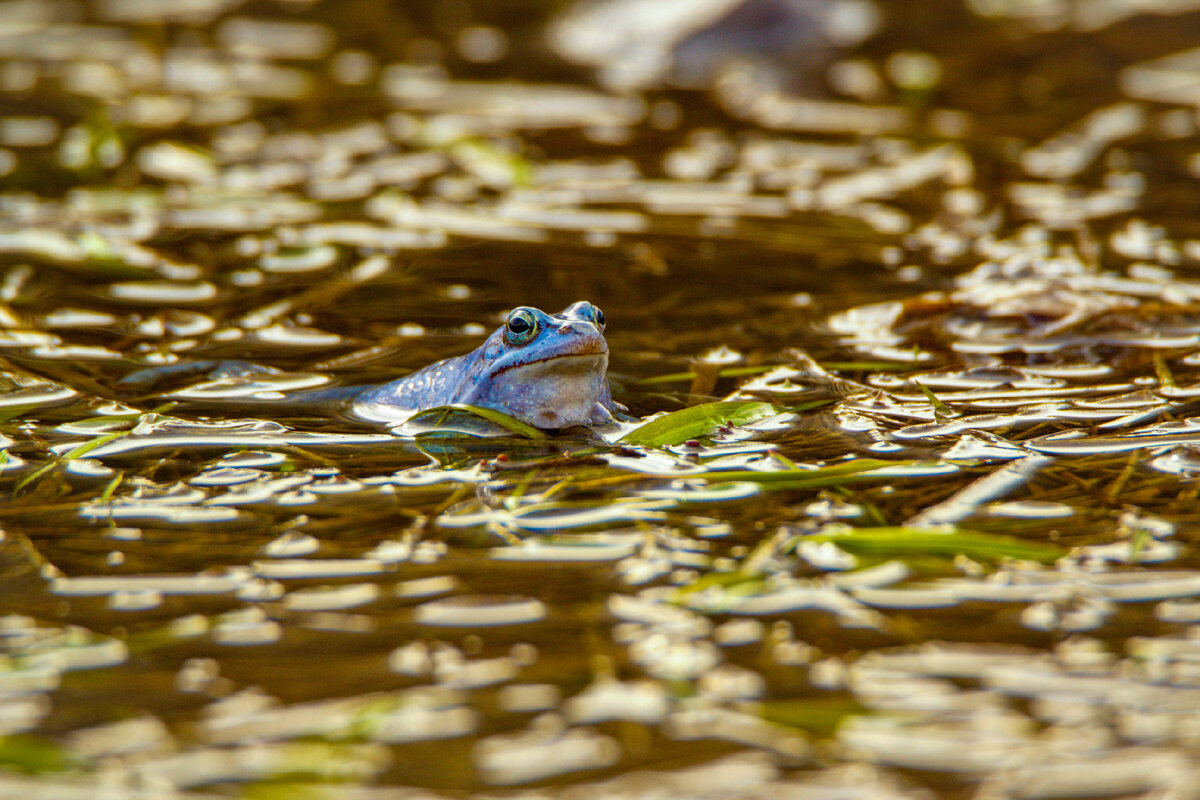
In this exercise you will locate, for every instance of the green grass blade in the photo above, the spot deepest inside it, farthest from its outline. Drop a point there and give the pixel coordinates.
(820, 716)
(898, 542)
(728, 372)
(33, 755)
(688, 423)
(835, 475)
(939, 407)
(871, 366)
(444, 415)
(77, 452)
(111, 487)
(90, 445)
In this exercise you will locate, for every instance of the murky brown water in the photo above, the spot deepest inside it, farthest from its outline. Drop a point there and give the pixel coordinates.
(943, 276)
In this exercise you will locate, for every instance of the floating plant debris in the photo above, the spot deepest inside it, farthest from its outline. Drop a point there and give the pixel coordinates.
(468, 419)
(902, 312)
(901, 542)
(689, 423)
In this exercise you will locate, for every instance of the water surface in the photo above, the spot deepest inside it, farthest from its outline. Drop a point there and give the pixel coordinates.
(945, 547)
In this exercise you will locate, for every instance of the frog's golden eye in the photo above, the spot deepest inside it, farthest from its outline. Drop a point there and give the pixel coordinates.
(522, 326)
(598, 317)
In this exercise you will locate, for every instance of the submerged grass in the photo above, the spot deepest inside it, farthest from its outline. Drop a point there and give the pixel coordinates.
(33, 755)
(819, 478)
(872, 366)
(900, 542)
(465, 418)
(741, 583)
(86, 447)
(78, 452)
(728, 372)
(699, 220)
(819, 716)
(678, 427)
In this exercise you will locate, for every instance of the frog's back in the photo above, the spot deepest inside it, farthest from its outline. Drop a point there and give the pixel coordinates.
(439, 384)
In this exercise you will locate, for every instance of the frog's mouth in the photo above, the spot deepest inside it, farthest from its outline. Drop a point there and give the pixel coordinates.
(583, 360)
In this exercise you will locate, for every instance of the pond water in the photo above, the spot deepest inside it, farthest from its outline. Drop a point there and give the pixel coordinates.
(918, 297)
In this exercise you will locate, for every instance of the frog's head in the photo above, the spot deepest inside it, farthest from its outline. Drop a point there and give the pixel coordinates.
(544, 369)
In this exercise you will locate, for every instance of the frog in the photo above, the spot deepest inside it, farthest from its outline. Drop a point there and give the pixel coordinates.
(546, 370)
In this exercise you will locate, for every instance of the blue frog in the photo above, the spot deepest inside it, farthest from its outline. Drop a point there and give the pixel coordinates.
(547, 370)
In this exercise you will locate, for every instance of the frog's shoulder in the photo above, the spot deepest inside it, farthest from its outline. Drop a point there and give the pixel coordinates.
(438, 384)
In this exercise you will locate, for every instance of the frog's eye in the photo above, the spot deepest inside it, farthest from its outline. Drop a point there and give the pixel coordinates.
(598, 317)
(522, 326)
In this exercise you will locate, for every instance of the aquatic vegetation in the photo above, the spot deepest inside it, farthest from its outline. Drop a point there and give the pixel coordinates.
(689, 423)
(903, 542)
(907, 327)
(459, 419)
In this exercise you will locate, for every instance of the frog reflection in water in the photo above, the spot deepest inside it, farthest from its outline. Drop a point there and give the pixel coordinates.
(546, 370)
